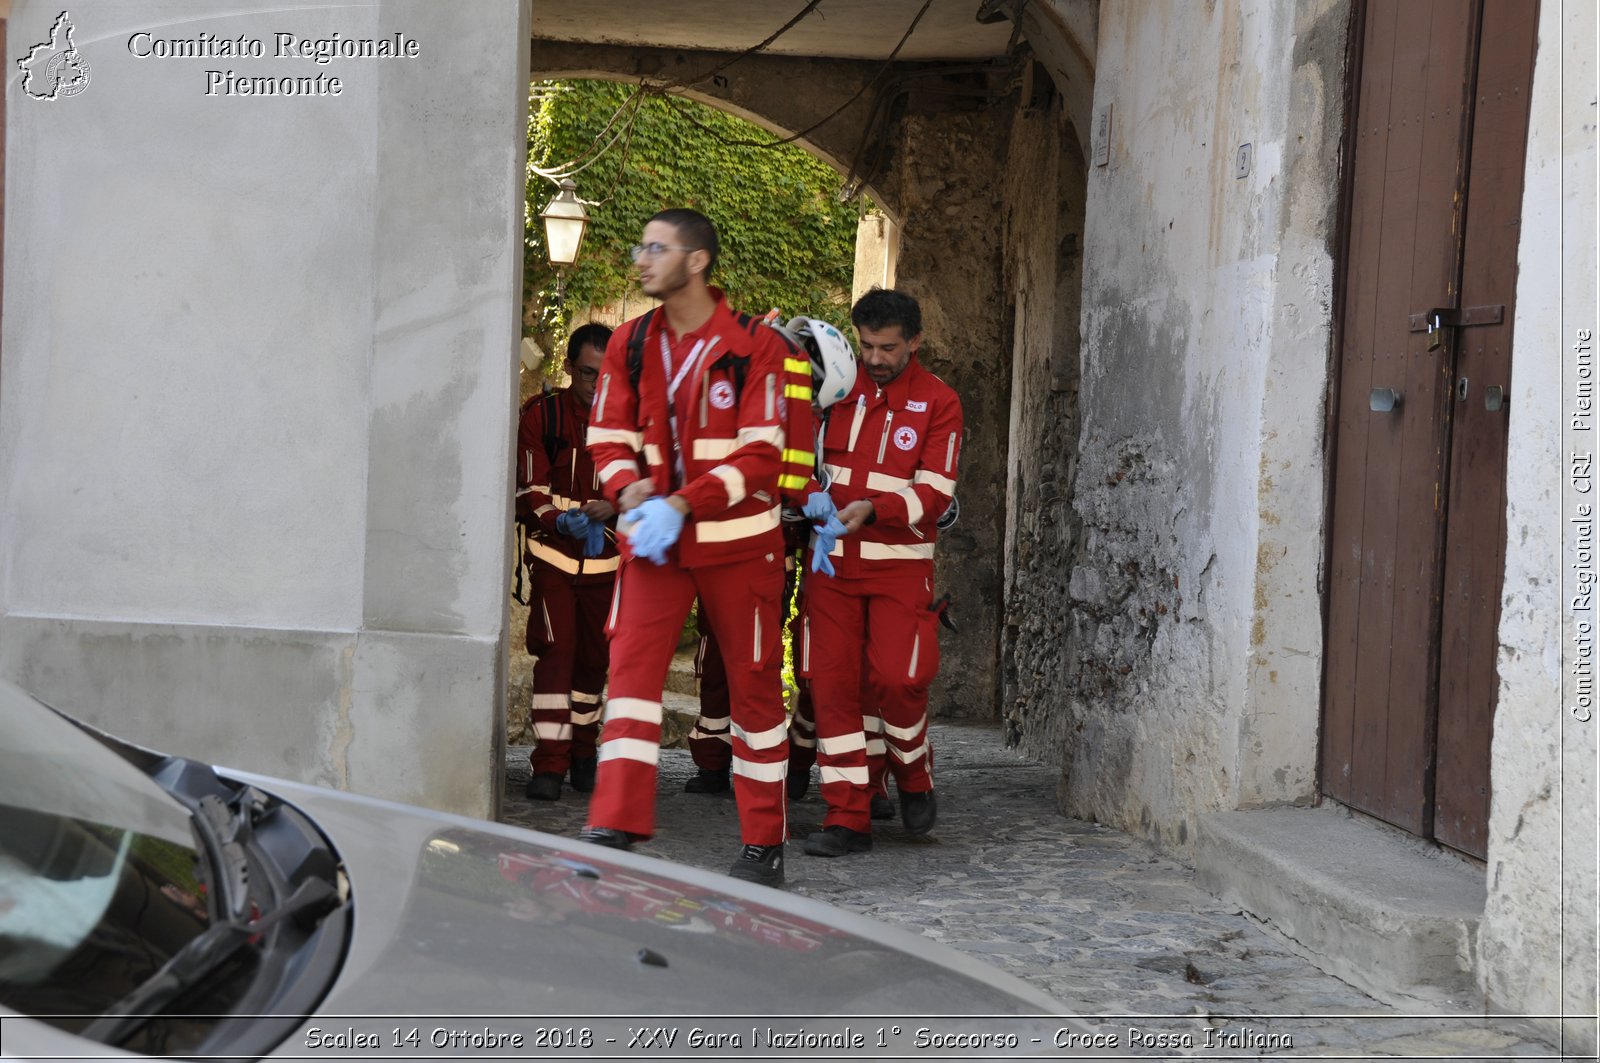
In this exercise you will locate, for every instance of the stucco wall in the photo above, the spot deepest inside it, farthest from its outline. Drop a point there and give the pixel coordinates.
(1537, 942)
(259, 372)
(1195, 638)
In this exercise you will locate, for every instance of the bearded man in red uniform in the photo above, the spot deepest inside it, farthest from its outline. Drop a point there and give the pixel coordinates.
(688, 433)
(891, 449)
(572, 563)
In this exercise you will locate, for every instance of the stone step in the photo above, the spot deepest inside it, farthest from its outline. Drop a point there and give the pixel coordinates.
(680, 677)
(678, 713)
(1389, 913)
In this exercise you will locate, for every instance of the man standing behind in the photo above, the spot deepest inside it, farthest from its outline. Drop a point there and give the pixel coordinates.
(814, 383)
(688, 434)
(573, 566)
(891, 448)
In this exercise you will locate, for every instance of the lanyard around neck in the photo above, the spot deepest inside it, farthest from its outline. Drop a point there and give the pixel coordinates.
(675, 381)
(700, 349)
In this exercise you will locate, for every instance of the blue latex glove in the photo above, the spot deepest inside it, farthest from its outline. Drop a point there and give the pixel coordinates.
(827, 535)
(595, 539)
(655, 527)
(819, 506)
(574, 522)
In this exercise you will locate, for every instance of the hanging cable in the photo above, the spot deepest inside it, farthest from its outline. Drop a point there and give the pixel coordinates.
(597, 147)
(819, 123)
(600, 145)
(622, 159)
(747, 53)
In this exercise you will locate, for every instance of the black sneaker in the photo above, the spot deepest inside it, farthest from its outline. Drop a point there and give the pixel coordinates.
(838, 840)
(918, 811)
(882, 807)
(544, 786)
(798, 780)
(606, 836)
(582, 773)
(708, 782)
(759, 863)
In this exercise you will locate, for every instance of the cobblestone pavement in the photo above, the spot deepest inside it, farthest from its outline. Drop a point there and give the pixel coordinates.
(1094, 917)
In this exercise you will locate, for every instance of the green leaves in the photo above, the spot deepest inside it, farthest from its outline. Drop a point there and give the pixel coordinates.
(786, 239)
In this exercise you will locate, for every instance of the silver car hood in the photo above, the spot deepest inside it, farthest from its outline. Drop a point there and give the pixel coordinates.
(458, 916)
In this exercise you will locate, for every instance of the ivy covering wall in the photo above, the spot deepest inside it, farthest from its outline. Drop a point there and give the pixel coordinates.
(786, 240)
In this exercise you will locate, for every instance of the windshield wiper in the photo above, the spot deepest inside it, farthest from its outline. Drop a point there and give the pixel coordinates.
(224, 830)
(193, 963)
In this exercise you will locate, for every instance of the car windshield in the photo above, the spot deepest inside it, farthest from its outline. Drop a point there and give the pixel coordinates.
(98, 868)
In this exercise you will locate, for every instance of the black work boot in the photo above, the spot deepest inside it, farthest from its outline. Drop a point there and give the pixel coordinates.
(759, 863)
(708, 782)
(544, 786)
(607, 836)
(882, 807)
(918, 811)
(838, 840)
(582, 773)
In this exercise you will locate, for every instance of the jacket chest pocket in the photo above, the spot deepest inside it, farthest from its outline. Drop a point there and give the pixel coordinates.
(901, 438)
(718, 411)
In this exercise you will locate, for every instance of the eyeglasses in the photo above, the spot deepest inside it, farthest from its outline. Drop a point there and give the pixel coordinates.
(654, 250)
(588, 374)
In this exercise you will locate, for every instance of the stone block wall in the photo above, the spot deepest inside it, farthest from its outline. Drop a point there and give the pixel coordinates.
(946, 189)
(1044, 194)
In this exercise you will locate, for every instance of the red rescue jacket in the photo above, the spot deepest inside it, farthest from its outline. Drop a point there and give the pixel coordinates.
(900, 447)
(554, 474)
(730, 445)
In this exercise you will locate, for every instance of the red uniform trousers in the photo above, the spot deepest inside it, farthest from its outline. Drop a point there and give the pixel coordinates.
(566, 631)
(742, 603)
(872, 730)
(889, 614)
(802, 729)
(711, 741)
(803, 724)
(878, 751)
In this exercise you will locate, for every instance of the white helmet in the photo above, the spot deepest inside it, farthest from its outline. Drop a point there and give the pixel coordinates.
(833, 360)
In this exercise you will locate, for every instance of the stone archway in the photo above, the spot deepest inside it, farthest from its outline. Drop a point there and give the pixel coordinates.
(925, 142)
(758, 90)
(931, 140)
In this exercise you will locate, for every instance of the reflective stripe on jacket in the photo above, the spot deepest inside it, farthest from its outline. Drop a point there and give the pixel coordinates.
(730, 437)
(900, 447)
(549, 486)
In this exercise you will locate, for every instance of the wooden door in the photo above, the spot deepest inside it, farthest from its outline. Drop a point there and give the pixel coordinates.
(1416, 537)
(1475, 540)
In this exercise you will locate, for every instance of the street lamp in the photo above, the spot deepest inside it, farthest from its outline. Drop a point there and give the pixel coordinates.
(564, 222)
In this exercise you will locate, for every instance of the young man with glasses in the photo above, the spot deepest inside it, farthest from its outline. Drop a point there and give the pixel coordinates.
(572, 563)
(688, 435)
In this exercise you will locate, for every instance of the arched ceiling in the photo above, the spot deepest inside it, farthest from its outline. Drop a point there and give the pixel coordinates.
(838, 29)
(1060, 33)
